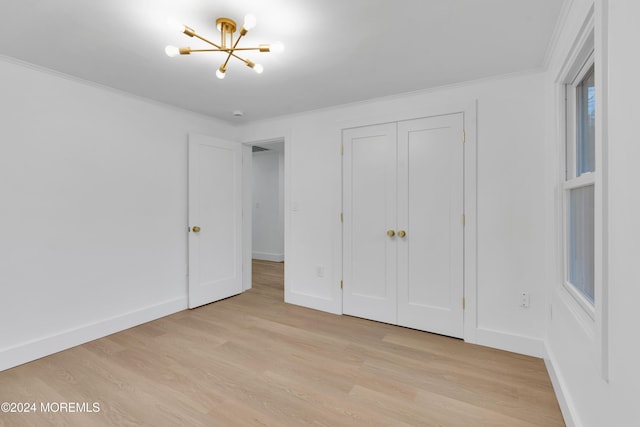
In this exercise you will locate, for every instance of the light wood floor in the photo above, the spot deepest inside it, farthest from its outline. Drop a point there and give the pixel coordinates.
(253, 360)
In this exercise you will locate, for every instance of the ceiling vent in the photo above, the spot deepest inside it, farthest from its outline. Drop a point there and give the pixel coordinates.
(256, 149)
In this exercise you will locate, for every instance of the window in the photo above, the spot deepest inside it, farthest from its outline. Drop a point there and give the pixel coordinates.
(581, 248)
(582, 87)
(586, 123)
(579, 185)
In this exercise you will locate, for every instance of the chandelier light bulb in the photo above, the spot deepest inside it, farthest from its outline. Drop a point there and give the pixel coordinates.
(249, 22)
(258, 68)
(175, 26)
(220, 74)
(276, 47)
(171, 51)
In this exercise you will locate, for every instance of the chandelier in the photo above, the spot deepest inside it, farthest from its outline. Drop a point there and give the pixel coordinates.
(228, 44)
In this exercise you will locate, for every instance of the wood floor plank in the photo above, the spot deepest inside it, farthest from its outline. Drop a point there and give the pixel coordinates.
(253, 360)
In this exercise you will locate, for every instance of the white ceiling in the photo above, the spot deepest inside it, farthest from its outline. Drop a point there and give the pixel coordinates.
(337, 51)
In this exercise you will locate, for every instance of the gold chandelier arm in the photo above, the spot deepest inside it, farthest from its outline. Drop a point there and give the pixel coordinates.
(225, 50)
(229, 51)
(221, 49)
(246, 61)
(208, 50)
(224, 66)
(207, 41)
(240, 48)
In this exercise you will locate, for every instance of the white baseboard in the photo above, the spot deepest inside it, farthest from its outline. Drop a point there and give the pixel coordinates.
(266, 256)
(509, 342)
(314, 302)
(35, 349)
(566, 404)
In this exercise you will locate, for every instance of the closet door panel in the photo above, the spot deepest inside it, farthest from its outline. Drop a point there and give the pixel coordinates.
(369, 207)
(430, 209)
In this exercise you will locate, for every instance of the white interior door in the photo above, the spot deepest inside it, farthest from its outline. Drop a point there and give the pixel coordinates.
(430, 209)
(369, 269)
(403, 235)
(215, 219)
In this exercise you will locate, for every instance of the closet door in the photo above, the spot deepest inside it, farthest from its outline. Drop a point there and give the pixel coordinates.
(369, 207)
(430, 215)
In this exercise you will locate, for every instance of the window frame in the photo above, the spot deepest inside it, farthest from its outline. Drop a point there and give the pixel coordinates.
(582, 65)
(571, 116)
(591, 36)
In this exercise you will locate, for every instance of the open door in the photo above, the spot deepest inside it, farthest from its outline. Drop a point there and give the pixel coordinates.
(215, 219)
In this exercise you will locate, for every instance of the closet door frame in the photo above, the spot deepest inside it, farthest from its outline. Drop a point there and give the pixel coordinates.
(469, 111)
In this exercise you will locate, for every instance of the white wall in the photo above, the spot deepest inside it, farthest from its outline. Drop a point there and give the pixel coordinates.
(94, 210)
(267, 210)
(624, 207)
(510, 188)
(577, 351)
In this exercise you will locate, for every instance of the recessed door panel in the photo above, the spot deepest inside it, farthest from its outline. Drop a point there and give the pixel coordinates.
(430, 208)
(369, 212)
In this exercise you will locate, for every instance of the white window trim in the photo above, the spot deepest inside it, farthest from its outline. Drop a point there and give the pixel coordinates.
(590, 44)
(570, 94)
(570, 181)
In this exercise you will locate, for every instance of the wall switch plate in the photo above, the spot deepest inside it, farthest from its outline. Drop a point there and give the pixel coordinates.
(524, 300)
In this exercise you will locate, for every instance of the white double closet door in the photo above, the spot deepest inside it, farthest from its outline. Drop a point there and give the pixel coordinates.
(403, 232)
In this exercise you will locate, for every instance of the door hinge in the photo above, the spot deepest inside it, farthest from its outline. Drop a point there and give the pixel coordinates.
(341, 284)
(463, 303)
(464, 136)
(464, 220)
(341, 217)
(341, 149)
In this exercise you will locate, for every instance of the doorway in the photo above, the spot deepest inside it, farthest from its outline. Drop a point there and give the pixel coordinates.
(264, 203)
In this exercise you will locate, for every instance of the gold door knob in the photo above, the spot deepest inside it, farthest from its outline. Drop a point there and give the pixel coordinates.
(391, 233)
(196, 229)
(402, 233)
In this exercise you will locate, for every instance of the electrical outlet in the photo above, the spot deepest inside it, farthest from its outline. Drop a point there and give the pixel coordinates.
(524, 300)
(320, 271)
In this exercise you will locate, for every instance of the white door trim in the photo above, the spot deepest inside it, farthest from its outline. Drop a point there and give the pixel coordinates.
(247, 205)
(247, 214)
(469, 111)
(470, 226)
